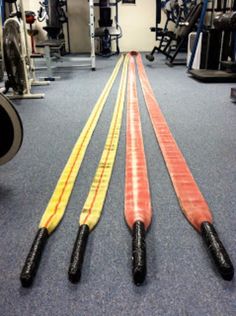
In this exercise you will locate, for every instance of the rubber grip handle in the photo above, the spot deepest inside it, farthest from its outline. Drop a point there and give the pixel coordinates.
(33, 259)
(77, 257)
(139, 252)
(217, 251)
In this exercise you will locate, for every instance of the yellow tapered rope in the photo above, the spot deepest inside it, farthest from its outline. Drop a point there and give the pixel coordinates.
(60, 197)
(92, 209)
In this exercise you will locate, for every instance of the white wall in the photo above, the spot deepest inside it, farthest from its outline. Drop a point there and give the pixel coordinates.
(135, 21)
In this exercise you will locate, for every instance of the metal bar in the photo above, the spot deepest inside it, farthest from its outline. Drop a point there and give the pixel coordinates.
(92, 33)
(199, 29)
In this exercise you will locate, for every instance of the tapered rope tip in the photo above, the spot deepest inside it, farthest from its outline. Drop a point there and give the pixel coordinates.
(139, 253)
(77, 257)
(33, 259)
(217, 251)
(74, 275)
(139, 274)
(133, 53)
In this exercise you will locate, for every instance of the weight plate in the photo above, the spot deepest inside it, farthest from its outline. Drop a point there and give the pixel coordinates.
(11, 130)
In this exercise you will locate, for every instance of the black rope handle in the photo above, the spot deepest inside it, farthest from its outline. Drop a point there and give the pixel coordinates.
(33, 259)
(139, 253)
(217, 251)
(77, 257)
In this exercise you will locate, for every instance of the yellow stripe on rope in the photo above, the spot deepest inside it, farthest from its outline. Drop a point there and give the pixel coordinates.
(92, 209)
(60, 197)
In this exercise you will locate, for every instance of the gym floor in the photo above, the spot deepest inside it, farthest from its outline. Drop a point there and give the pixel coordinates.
(181, 279)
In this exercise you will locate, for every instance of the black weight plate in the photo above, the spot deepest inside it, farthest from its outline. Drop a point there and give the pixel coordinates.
(11, 130)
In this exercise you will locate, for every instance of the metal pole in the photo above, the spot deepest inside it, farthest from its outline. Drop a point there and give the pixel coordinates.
(68, 29)
(26, 48)
(199, 29)
(92, 31)
(25, 30)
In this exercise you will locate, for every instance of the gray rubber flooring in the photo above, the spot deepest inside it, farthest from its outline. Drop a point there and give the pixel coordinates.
(181, 279)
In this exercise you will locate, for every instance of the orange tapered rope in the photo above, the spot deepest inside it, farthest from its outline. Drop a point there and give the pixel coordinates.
(138, 211)
(191, 200)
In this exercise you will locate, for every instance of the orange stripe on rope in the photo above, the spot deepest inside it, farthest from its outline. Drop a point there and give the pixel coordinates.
(68, 177)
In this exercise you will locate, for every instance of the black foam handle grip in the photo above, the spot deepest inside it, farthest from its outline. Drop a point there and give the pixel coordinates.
(77, 257)
(33, 259)
(217, 251)
(139, 253)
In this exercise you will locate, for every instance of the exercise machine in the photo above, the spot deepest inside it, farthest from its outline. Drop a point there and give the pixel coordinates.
(17, 61)
(172, 42)
(106, 33)
(54, 44)
(220, 63)
(54, 12)
(11, 130)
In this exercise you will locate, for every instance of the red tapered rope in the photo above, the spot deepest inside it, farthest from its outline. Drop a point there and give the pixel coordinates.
(138, 212)
(137, 194)
(191, 200)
